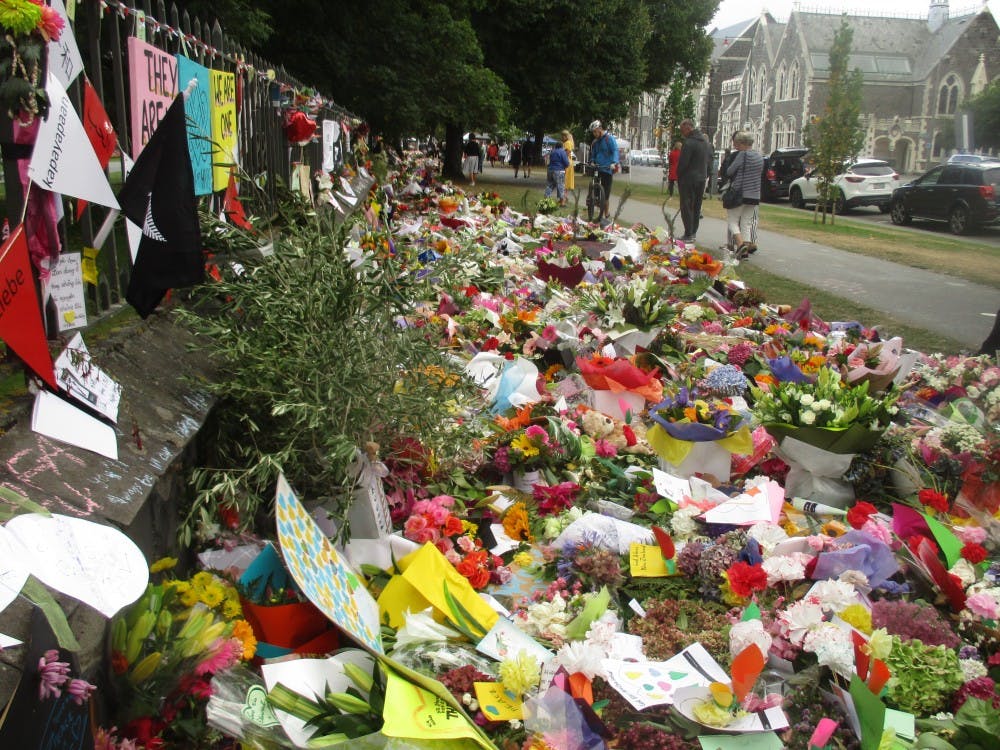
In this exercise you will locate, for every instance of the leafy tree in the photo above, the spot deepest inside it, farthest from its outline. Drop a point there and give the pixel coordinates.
(240, 19)
(678, 47)
(405, 68)
(566, 62)
(836, 137)
(679, 105)
(985, 109)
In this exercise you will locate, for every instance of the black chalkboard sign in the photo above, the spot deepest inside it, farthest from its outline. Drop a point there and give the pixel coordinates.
(52, 724)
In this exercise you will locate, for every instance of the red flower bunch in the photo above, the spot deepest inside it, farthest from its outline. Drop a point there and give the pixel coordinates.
(552, 500)
(974, 553)
(745, 579)
(475, 566)
(933, 499)
(859, 514)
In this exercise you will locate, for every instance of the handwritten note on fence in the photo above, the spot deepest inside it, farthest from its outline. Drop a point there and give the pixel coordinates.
(152, 77)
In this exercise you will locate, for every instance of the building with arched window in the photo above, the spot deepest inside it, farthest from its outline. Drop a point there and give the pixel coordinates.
(917, 73)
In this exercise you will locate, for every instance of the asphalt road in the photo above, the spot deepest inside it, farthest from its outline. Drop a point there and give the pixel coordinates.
(954, 307)
(864, 214)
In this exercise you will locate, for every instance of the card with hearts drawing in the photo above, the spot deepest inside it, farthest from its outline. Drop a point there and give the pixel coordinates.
(650, 683)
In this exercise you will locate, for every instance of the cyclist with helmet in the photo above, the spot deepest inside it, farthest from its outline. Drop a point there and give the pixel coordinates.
(604, 155)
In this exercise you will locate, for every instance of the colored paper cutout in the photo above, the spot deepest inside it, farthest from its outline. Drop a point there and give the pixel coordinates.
(413, 712)
(322, 575)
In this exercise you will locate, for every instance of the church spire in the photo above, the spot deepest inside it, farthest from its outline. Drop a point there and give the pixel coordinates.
(937, 16)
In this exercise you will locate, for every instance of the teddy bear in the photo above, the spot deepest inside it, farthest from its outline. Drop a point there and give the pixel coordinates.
(626, 438)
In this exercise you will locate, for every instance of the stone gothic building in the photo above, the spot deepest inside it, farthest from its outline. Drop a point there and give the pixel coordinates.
(769, 78)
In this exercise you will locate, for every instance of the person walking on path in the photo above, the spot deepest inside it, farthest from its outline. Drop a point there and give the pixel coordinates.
(744, 176)
(556, 174)
(570, 147)
(471, 165)
(604, 155)
(692, 174)
(672, 159)
(723, 178)
(515, 157)
(492, 152)
(527, 155)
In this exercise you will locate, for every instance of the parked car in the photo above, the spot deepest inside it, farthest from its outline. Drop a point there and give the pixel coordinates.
(865, 182)
(964, 195)
(971, 158)
(780, 168)
(651, 157)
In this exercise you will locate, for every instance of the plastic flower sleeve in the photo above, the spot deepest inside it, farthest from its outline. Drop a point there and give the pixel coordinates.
(239, 709)
(816, 474)
(554, 717)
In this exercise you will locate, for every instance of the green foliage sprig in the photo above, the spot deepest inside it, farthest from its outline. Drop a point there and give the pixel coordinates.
(318, 360)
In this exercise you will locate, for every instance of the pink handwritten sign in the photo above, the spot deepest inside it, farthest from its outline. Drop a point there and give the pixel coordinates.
(152, 88)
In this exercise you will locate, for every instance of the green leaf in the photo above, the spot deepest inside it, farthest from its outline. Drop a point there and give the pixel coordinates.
(10, 497)
(40, 596)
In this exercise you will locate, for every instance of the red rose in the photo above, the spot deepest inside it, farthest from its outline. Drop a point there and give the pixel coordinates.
(744, 579)
(473, 567)
(452, 526)
(933, 499)
(859, 514)
(974, 553)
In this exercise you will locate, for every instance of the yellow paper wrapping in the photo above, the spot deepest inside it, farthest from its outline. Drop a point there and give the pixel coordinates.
(425, 573)
(674, 451)
(413, 712)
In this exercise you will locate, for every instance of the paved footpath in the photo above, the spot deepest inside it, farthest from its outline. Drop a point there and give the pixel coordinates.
(947, 305)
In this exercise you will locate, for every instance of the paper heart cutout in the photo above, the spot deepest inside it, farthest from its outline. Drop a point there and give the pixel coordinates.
(633, 675)
(665, 686)
(678, 675)
(257, 710)
(491, 710)
(646, 686)
(655, 672)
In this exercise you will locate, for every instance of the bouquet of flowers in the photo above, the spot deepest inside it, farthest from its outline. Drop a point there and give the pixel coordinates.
(697, 433)
(433, 521)
(820, 426)
(165, 649)
(642, 304)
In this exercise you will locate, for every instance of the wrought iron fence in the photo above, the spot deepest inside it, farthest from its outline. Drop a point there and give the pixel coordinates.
(102, 28)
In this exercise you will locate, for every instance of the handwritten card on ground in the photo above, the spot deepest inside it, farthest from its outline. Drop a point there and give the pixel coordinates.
(645, 684)
(497, 702)
(85, 381)
(13, 568)
(60, 420)
(646, 561)
(94, 563)
(66, 288)
(505, 639)
(321, 572)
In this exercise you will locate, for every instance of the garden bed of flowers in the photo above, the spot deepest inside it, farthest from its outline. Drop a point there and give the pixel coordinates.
(681, 515)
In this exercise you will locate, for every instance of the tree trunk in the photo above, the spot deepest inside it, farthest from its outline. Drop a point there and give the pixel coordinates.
(452, 167)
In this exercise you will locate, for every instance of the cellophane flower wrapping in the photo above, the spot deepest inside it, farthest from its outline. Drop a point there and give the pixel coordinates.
(554, 718)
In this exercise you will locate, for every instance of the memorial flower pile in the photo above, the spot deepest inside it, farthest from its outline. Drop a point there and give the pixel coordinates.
(567, 578)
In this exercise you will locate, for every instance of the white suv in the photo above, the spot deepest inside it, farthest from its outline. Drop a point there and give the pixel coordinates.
(866, 182)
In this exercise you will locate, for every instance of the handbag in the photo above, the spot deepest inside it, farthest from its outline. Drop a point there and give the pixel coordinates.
(733, 196)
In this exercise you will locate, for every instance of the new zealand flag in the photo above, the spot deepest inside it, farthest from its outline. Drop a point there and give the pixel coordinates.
(158, 196)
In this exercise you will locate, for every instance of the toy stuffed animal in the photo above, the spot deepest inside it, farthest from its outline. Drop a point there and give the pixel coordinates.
(626, 438)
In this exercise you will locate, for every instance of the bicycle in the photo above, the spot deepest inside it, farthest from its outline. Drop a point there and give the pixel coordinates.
(595, 195)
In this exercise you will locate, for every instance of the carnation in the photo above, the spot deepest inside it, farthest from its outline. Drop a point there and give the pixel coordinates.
(768, 535)
(834, 595)
(746, 632)
(682, 522)
(800, 618)
(832, 646)
(783, 568)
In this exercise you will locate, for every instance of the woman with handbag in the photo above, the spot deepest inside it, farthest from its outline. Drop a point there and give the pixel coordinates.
(742, 197)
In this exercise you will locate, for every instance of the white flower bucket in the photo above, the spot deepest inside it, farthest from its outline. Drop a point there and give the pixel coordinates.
(706, 457)
(523, 480)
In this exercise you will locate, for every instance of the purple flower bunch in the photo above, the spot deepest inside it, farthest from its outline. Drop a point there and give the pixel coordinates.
(912, 621)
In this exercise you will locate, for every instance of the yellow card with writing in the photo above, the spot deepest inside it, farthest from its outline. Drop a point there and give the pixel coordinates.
(413, 712)
(646, 561)
(497, 702)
